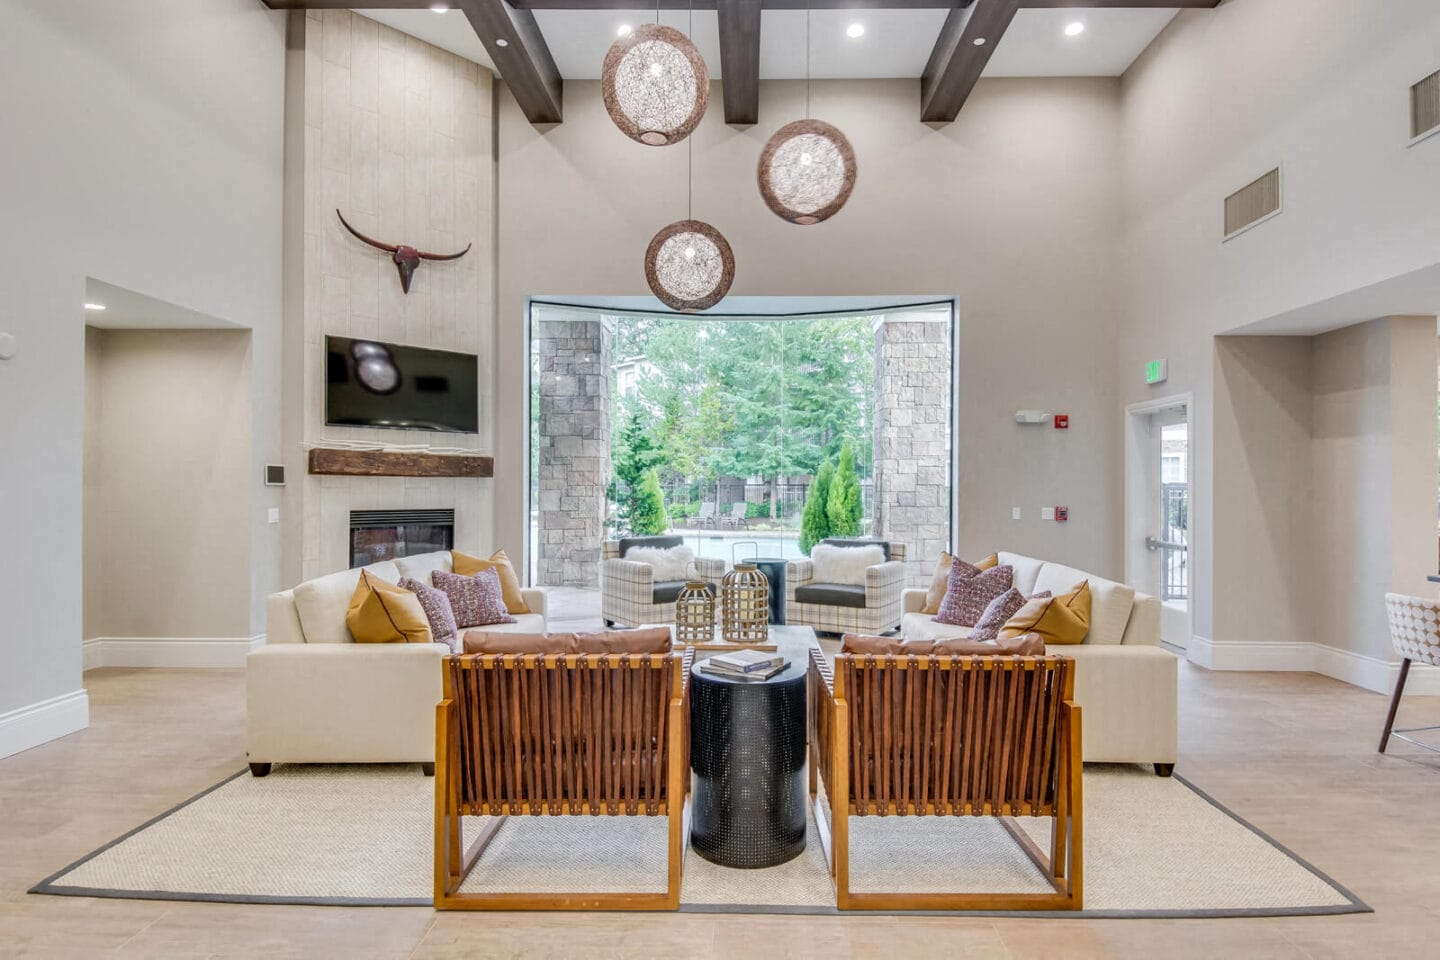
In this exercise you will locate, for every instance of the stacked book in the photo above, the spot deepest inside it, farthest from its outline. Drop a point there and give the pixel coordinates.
(745, 664)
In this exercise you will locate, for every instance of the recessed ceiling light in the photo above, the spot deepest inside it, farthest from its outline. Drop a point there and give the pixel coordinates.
(979, 41)
(439, 7)
(855, 30)
(501, 42)
(1075, 29)
(623, 30)
(94, 306)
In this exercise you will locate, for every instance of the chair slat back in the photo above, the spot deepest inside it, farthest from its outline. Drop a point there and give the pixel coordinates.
(960, 736)
(562, 734)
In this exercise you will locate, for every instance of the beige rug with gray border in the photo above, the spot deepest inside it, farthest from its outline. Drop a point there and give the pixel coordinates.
(363, 835)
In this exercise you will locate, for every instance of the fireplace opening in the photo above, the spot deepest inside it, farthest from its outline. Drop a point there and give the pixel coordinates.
(377, 535)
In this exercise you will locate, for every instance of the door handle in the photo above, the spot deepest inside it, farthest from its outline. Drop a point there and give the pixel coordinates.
(1152, 544)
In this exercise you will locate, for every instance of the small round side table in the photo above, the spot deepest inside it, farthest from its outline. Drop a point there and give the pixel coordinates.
(747, 751)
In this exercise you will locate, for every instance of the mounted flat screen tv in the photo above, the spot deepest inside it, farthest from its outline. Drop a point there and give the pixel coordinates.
(373, 384)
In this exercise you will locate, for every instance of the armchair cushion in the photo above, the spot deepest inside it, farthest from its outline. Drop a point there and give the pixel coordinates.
(666, 563)
(655, 640)
(1028, 645)
(831, 594)
(661, 543)
(845, 564)
(668, 591)
(884, 545)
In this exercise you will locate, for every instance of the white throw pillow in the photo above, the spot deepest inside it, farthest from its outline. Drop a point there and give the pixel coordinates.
(846, 565)
(666, 563)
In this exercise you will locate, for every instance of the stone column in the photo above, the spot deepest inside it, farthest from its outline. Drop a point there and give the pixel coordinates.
(912, 437)
(574, 449)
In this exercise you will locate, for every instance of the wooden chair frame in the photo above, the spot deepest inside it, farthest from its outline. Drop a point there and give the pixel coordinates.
(536, 735)
(952, 736)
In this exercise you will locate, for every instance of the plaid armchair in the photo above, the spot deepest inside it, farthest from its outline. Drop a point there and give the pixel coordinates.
(629, 593)
(839, 608)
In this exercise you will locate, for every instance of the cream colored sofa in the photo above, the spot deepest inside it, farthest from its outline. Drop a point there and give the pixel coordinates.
(1125, 682)
(316, 696)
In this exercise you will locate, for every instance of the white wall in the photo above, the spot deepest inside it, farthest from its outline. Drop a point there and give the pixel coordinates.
(143, 147)
(1320, 86)
(1013, 209)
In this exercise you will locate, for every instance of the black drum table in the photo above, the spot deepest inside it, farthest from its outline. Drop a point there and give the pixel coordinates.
(747, 751)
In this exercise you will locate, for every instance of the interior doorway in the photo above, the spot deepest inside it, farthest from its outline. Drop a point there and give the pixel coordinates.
(1159, 484)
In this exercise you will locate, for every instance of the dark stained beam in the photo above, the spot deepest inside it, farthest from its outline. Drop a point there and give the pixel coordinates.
(740, 58)
(349, 4)
(519, 52)
(967, 40)
(1123, 4)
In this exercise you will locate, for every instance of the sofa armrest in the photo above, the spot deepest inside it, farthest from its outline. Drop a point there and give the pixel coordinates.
(628, 571)
(913, 601)
(534, 598)
(710, 568)
(884, 583)
(343, 702)
(282, 619)
(797, 574)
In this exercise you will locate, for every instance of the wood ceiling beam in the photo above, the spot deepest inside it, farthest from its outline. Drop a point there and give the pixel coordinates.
(966, 41)
(740, 58)
(518, 50)
(1122, 4)
(348, 4)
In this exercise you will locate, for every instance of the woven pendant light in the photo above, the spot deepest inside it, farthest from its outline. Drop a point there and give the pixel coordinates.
(689, 266)
(655, 85)
(807, 169)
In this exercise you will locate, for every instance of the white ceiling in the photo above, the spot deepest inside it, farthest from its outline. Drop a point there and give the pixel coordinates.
(896, 43)
(128, 310)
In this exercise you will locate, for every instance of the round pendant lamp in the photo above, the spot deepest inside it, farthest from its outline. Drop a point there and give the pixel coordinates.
(689, 266)
(806, 171)
(655, 85)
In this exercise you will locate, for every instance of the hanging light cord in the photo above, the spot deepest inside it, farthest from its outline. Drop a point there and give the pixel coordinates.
(690, 143)
(807, 63)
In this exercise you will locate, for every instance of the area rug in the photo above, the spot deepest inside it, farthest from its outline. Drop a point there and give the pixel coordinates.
(363, 835)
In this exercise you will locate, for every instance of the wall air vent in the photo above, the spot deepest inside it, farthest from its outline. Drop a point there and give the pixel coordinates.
(1252, 204)
(1425, 107)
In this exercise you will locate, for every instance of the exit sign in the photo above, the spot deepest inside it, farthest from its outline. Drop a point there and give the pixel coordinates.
(1156, 371)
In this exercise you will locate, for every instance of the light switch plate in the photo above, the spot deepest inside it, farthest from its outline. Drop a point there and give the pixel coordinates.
(1014, 513)
(1047, 513)
(274, 514)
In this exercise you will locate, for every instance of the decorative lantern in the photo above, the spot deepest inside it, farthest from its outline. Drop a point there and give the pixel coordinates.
(655, 85)
(695, 613)
(806, 171)
(689, 266)
(745, 605)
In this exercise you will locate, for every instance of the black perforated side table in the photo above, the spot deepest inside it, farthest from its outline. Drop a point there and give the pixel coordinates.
(747, 751)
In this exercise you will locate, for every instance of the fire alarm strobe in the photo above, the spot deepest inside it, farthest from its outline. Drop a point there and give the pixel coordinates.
(1062, 421)
(1062, 514)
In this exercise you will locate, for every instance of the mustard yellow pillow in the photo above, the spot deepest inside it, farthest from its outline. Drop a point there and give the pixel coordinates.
(941, 580)
(468, 566)
(1060, 620)
(381, 612)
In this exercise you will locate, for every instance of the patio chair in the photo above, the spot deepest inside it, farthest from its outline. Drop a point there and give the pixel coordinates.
(706, 514)
(737, 517)
(899, 735)
(554, 735)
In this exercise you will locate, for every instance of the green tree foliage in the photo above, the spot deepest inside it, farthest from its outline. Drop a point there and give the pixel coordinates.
(647, 507)
(843, 509)
(814, 525)
(635, 456)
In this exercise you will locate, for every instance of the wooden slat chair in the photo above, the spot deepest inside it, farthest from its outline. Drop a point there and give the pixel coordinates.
(994, 736)
(558, 734)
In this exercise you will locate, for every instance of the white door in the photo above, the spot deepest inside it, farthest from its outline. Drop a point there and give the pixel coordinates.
(1158, 475)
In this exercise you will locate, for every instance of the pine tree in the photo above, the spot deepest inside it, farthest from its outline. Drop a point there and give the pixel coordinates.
(635, 455)
(814, 526)
(843, 510)
(647, 507)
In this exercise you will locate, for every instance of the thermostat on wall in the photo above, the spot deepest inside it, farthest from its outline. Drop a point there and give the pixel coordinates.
(1031, 416)
(274, 475)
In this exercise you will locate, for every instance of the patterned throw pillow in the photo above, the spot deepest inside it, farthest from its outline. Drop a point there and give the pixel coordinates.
(476, 601)
(999, 610)
(437, 610)
(967, 597)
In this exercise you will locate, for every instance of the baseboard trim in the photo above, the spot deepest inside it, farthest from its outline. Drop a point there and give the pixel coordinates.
(38, 723)
(1370, 673)
(169, 651)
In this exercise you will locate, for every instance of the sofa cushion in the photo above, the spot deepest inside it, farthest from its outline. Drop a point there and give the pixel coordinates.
(884, 545)
(666, 563)
(323, 603)
(1027, 571)
(831, 594)
(967, 597)
(833, 563)
(668, 591)
(420, 566)
(661, 542)
(1110, 602)
(651, 640)
(381, 612)
(469, 566)
(477, 600)
(1060, 620)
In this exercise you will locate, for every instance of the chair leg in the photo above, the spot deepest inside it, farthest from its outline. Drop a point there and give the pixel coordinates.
(1394, 703)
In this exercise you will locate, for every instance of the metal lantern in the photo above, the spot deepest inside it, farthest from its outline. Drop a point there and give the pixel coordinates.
(806, 171)
(695, 613)
(655, 85)
(745, 605)
(689, 266)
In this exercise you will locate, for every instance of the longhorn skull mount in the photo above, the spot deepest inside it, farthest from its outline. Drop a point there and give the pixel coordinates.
(406, 258)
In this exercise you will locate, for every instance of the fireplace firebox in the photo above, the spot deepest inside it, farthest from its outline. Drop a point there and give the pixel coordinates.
(390, 534)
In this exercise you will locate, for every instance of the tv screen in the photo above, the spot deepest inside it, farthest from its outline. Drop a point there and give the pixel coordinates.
(372, 384)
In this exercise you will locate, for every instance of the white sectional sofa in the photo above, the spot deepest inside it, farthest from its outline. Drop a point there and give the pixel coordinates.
(1125, 682)
(316, 696)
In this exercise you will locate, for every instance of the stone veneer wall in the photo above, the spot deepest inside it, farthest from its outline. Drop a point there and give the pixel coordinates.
(397, 135)
(573, 367)
(911, 444)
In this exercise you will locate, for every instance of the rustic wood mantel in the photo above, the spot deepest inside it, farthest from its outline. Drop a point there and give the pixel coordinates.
(382, 463)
